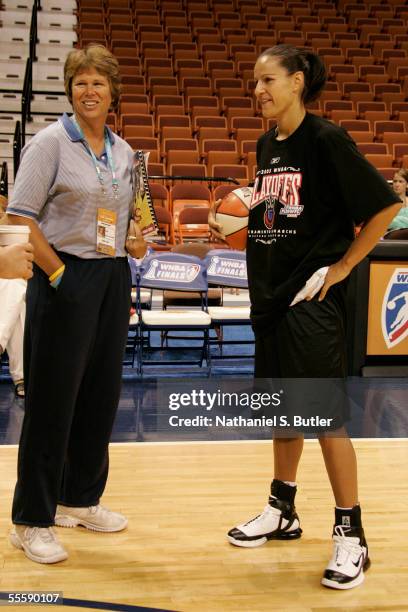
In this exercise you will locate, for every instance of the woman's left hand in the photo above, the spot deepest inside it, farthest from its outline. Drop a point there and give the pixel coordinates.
(135, 243)
(335, 274)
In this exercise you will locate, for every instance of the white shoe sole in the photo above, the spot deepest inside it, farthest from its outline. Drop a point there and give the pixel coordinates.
(247, 543)
(15, 541)
(293, 534)
(65, 520)
(332, 584)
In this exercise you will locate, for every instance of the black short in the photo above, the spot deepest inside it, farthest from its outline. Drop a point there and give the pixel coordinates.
(309, 342)
(306, 356)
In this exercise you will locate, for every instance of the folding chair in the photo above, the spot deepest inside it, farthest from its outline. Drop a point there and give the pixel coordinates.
(185, 298)
(179, 273)
(145, 300)
(227, 268)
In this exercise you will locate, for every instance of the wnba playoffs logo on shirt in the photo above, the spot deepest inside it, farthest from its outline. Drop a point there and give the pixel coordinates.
(394, 316)
(281, 186)
(269, 214)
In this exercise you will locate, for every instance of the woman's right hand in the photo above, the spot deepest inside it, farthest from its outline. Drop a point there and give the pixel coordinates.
(215, 228)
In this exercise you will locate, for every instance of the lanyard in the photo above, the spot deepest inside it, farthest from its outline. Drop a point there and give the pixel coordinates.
(108, 149)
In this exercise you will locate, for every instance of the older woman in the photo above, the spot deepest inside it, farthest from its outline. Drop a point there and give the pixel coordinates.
(75, 179)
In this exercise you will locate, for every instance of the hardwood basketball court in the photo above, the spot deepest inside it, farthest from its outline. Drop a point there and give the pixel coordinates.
(181, 498)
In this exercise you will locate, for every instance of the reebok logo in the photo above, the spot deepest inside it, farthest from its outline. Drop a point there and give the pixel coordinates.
(345, 521)
(275, 160)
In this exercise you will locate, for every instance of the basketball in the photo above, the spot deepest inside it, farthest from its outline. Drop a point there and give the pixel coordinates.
(232, 215)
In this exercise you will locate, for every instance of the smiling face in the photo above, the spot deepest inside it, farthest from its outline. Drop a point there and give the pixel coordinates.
(399, 184)
(277, 91)
(91, 96)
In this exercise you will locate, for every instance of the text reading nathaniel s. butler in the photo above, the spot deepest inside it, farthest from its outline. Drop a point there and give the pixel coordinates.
(200, 400)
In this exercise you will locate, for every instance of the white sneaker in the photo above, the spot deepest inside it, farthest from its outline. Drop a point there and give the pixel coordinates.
(40, 544)
(96, 518)
(278, 521)
(350, 559)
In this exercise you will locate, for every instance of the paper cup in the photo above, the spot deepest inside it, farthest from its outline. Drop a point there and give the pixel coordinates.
(14, 234)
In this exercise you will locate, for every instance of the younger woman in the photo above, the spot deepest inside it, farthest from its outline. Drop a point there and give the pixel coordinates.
(312, 187)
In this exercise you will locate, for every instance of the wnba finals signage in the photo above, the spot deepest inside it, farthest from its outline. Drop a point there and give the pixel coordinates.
(394, 317)
(172, 271)
(387, 332)
(227, 267)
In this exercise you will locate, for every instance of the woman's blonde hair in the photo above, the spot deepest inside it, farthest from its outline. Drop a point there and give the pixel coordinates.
(93, 56)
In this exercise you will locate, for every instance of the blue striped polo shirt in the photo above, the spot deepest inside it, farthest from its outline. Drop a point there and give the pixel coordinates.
(57, 185)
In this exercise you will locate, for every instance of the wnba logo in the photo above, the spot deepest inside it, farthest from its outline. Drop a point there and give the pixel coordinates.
(394, 316)
(269, 214)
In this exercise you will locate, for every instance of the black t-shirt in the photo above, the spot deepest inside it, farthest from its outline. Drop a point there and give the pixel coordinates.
(310, 190)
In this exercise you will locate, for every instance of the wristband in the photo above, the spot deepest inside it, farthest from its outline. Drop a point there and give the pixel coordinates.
(56, 273)
(56, 277)
(57, 281)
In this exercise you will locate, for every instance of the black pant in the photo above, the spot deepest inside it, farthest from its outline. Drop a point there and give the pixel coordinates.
(74, 344)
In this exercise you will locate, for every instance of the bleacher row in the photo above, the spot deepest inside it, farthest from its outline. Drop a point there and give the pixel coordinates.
(188, 75)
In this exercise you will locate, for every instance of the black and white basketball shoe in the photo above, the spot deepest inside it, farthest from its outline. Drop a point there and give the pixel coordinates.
(350, 559)
(278, 521)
